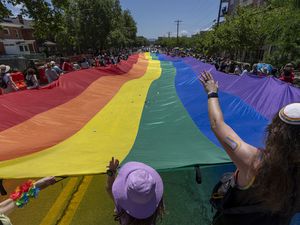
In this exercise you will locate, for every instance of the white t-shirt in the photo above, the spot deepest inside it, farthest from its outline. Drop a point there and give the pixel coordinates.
(51, 74)
(244, 72)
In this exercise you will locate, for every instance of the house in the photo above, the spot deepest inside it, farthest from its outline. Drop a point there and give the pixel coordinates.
(16, 36)
(233, 4)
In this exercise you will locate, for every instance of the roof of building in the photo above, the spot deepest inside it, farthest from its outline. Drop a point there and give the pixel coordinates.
(15, 22)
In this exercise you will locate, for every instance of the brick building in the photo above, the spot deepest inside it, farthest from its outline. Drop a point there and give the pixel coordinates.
(16, 37)
(232, 5)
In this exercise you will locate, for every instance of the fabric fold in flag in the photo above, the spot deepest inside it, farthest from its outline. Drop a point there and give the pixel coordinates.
(151, 108)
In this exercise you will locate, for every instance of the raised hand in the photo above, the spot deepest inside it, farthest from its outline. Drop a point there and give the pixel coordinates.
(113, 164)
(208, 82)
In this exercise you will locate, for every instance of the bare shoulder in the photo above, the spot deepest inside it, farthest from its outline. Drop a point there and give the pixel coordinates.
(249, 164)
(251, 156)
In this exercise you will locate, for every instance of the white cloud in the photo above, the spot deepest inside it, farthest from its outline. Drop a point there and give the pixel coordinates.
(184, 33)
(207, 29)
(196, 31)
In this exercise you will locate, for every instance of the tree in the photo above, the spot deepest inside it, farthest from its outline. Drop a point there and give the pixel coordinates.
(273, 29)
(46, 16)
(129, 28)
(284, 26)
(116, 35)
(141, 41)
(123, 33)
(80, 24)
(4, 12)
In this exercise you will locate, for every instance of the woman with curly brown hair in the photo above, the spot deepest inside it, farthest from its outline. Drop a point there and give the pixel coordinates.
(265, 187)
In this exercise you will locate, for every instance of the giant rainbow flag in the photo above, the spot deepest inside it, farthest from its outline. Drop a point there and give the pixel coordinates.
(150, 108)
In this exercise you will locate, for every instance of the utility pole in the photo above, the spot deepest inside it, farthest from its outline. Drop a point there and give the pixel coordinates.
(219, 14)
(178, 22)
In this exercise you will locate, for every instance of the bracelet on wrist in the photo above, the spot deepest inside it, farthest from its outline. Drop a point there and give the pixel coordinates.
(24, 192)
(212, 95)
(111, 173)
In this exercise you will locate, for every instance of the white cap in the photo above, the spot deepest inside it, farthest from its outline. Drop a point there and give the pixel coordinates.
(290, 114)
(5, 67)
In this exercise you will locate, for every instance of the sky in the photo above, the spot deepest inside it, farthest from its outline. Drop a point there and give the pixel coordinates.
(155, 18)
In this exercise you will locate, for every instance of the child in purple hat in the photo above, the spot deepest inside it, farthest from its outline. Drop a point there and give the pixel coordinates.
(137, 192)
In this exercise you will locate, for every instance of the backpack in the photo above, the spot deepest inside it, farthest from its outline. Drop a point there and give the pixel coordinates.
(221, 191)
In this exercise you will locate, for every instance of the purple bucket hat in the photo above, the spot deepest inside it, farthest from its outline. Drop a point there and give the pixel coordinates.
(138, 189)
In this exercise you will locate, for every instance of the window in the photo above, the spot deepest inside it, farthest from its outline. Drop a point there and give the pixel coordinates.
(21, 48)
(17, 33)
(6, 31)
(26, 48)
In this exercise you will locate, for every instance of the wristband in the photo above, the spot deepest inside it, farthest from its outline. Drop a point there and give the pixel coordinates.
(212, 95)
(110, 173)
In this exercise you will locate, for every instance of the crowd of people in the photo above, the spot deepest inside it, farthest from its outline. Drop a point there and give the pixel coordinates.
(37, 74)
(286, 73)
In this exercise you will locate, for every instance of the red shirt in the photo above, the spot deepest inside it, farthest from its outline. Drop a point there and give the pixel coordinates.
(67, 67)
(288, 79)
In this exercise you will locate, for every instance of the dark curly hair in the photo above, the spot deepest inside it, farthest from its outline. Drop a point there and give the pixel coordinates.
(157, 215)
(31, 71)
(277, 176)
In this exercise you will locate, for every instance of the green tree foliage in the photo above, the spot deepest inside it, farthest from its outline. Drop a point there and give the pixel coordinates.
(46, 16)
(172, 42)
(285, 30)
(116, 36)
(273, 30)
(4, 12)
(130, 28)
(92, 23)
(79, 24)
(141, 41)
(99, 24)
(123, 33)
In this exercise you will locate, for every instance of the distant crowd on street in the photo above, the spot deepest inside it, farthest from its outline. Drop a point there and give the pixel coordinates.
(226, 65)
(42, 73)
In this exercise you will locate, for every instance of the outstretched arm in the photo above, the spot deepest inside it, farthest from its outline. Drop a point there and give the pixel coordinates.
(111, 175)
(14, 86)
(7, 206)
(241, 153)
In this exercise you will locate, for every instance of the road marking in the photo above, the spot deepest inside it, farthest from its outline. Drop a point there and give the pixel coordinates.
(57, 207)
(72, 207)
